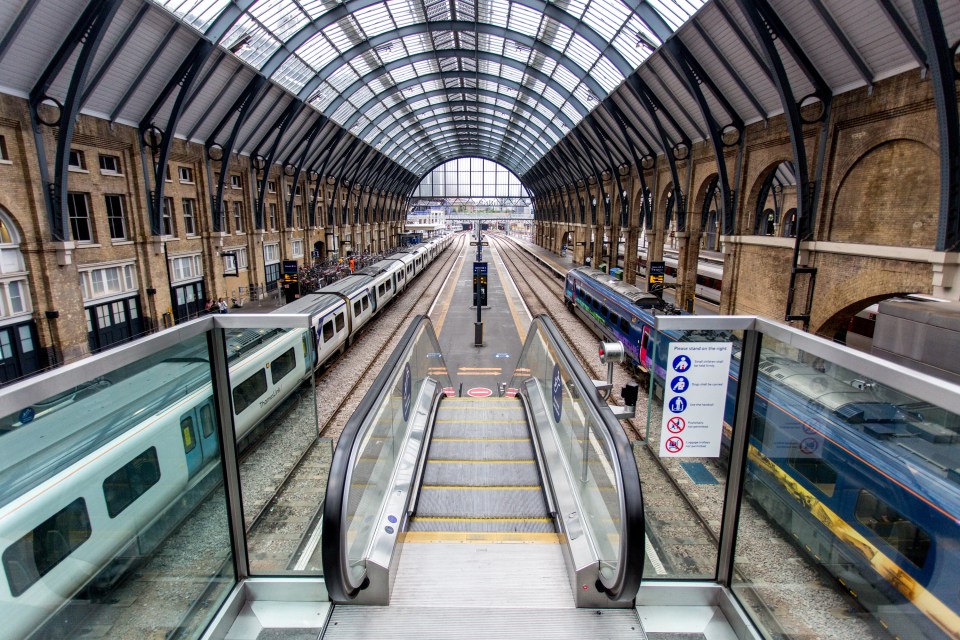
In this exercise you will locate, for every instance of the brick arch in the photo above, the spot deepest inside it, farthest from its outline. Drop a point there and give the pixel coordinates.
(836, 324)
(12, 225)
(748, 215)
(889, 196)
(701, 192)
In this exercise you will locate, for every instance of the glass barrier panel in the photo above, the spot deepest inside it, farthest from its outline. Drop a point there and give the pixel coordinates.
(686, 452)
(112, 509)
(858, 482)
(273, 397)
(380, 443)
(583, 442)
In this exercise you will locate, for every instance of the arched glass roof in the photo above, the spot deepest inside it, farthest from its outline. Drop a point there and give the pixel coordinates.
(525, 72)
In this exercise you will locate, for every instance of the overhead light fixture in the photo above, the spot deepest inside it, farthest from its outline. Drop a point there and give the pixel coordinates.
(643, 42)
(243, 42)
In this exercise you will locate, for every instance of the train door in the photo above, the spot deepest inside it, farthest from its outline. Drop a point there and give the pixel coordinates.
(372, 294)
(644, 344)
(198, 429)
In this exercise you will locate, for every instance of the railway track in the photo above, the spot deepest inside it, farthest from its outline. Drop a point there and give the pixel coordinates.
(279, 534)
(691, 550)
(769, 563)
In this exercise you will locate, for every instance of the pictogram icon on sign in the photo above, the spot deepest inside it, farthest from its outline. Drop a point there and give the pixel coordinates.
(674, 445)
(809, 445)
(681, 363)
(679, 384)
(678, 405)
(676, 424)
(479, 392)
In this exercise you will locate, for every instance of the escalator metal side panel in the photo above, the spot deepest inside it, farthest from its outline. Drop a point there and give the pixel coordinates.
(385, 548)
(579, 550)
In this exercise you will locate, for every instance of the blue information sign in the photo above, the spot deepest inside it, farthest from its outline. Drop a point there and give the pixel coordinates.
(479, 268)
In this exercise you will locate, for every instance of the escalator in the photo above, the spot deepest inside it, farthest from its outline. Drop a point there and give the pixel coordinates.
(492, 517)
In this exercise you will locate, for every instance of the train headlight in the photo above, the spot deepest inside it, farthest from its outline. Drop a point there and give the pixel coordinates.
(611, 352)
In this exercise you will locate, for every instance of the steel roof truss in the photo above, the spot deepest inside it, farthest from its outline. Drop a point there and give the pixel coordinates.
(86, 34)
(147, 68)
(735, 75)
(943, 75)
(181, 82)
(241, 107)
(280, 127)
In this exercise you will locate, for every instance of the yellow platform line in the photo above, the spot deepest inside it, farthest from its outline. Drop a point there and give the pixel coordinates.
(498, 487)
(530, 461)
(481, 439)
(483, 422)
(481, 537)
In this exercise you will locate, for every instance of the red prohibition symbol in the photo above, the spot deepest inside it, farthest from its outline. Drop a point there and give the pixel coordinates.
(674, 445)
(676, 424)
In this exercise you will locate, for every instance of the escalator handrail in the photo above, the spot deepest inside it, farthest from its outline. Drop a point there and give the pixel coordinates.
(333, 544)
(626, 583)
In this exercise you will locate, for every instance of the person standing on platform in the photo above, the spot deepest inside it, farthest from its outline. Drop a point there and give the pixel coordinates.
(222, 306)
(353, 263)
(208, 308)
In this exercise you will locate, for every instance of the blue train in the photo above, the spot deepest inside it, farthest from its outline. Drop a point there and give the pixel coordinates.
(865, 482)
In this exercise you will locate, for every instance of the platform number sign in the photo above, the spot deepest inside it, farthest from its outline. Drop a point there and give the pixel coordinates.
(405, 390)
(694, 399)
(557, 393)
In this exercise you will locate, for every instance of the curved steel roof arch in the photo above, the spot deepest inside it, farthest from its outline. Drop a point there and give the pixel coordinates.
(438, 93)
(475, 76)
(464, 139)
(512, 123)
(404, 147)
(388, 37)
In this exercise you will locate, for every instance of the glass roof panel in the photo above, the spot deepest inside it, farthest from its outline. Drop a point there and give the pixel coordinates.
(317, 51)
(405, 12)
(525, 20)
(374, 19)
(250, 41)
(264, 26)
(197, 13)
(606, 18)
(293, 74)
(607, 75)
(282, 18)
(582, 52)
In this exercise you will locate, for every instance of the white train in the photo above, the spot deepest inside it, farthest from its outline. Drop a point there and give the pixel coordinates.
(88, 482)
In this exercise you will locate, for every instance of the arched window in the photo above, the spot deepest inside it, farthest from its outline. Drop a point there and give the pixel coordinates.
(14, 289)
(778, 193)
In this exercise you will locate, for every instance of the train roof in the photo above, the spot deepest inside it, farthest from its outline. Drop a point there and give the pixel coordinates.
(312, 303)
(943, 314)
(628, 291)
(347, 286)
(375, 269)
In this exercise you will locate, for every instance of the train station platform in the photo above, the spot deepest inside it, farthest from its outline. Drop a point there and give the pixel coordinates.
(475, 371)
(468, 487)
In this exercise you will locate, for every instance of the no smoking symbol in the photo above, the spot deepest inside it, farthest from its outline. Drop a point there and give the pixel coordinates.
(674, 445)
(676, 424)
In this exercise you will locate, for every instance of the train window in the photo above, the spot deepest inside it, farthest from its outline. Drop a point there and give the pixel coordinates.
(37, 553)
(189, 433)
(327, 330)
(595, 304)
(339, 322)
(614, 319)
(247, 392)
(366, 302)
(624, 325)
(206, 421)
(817, 472)
(904, 536)
(356, 308)
(380, 291)
(129, 482)
(604, 311)
(283, 365)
